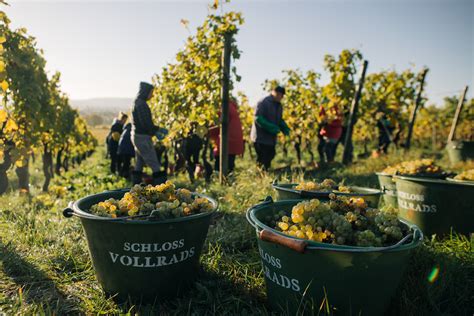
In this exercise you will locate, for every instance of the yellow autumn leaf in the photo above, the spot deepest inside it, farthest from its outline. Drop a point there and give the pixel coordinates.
(2, 39)
(4, 85)
(2, 66)
(3, 116)
(20, 163)
(11, 126)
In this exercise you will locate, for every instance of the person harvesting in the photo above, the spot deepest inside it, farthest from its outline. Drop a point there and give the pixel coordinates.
(329, 134)
(125, 150)
(267, 124)
(235, 137)
(143, 129)
(113, 139)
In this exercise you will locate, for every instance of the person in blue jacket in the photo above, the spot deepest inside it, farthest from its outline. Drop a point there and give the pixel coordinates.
(125, 150)
(112, 142)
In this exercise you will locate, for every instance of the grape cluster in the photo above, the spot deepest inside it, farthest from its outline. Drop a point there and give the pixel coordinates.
(467, 175)
(162, 201)
(326, 185)
(342, 221)
(415, 167)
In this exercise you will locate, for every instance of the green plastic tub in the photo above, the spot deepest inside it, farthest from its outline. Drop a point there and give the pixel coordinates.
(287, 192)
(300, 275)
(436, 206)
(142, 258)
(460, 151)
(388, 188)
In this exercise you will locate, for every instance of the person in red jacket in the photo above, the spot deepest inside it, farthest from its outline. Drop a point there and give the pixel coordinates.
(236, 138)
(329, 135)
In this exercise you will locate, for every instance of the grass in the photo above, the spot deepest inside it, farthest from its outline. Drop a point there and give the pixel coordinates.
(45, 266)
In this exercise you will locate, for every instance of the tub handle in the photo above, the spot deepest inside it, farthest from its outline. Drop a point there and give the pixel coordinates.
(293, 244)
(69, 211)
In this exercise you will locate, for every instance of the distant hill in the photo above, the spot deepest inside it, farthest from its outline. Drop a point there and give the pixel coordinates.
(101, 111)
(102, 105)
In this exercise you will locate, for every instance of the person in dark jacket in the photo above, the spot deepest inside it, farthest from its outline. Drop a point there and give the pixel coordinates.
(113, 139)
(267, 124)
(143, 129)
(125, 150)
(385, 129)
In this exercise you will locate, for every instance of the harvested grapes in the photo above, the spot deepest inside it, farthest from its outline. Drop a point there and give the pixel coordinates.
(415, 168)
(467, 175)
(163, 201)
(325, 186)
(342, 221)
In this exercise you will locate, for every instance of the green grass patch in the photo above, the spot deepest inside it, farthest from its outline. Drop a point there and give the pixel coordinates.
(45, 266)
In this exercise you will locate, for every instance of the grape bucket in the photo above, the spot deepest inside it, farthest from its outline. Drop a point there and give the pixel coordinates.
(460, 151)
(301, 275)
(435, 205)
(287, 192)
(389, 188)
(142, 258)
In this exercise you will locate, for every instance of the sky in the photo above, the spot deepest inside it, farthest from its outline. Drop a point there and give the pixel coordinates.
(104, 48)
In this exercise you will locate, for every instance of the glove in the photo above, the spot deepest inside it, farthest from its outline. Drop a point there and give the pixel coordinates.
(274, 129)
(284, 128)
(161, 133)
(267, 125)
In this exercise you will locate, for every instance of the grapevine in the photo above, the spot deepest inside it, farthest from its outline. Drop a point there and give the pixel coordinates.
(187, 94)
(35, 116)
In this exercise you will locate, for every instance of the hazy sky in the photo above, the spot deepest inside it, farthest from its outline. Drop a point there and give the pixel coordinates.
(104, 48)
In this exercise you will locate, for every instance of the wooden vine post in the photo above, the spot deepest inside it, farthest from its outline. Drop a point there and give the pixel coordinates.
(347, 156)
(224, 133)
(415, 109)
(452, 132)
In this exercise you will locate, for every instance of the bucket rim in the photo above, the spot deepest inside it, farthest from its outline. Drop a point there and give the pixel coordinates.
(435, 181)
(384, 174)
(313, 245)
(426, 175)
(460, 181)
(126, 220)
(288, 187)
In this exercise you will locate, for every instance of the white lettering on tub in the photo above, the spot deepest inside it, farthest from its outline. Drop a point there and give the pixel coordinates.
(152, 262)
(154, 247)
(275, 262)
(281, 280)
(277, 278)
(134, 250)
(413, 202)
